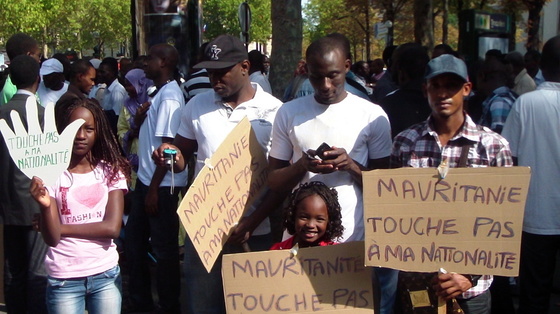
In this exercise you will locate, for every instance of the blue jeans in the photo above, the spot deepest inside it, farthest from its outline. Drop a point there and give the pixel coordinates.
(161, 231)
(386, 288)
(99, 293)
(204, 291)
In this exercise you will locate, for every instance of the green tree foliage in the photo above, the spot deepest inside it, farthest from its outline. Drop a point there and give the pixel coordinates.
(341, 16)
(221, 17)
(324, 17)
(349, 18)
(21, 16)
(67, 24)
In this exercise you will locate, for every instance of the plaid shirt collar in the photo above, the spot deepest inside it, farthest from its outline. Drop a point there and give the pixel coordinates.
(469, 130)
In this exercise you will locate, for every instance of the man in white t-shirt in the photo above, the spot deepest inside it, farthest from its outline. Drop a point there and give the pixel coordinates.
(153, 216)
(52, 85)
(534, 137)
(356, 131)
(206, 121)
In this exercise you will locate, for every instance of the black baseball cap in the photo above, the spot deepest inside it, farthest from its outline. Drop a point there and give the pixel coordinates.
(223, 52)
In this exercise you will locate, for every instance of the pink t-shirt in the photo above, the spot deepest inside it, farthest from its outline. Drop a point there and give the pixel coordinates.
(82, 198)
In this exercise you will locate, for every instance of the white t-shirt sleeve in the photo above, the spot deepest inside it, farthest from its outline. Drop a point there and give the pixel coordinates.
(168, 118)
(379, 139)
(186, 128)
(282, 147)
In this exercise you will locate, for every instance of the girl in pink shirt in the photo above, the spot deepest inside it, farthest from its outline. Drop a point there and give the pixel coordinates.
(312, 217)
(81, 215)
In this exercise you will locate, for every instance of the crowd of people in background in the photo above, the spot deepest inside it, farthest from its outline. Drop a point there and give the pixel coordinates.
(411, 108)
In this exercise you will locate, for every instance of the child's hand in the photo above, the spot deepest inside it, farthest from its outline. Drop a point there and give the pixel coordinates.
(40, 193)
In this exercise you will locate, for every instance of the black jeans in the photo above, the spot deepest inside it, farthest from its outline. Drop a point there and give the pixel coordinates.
(161, 231)
(25, 278)
(481, 304)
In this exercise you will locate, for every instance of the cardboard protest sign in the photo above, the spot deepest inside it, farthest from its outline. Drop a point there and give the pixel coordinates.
(318, 279)
(45, 154)
(470, 222)
(221, 192)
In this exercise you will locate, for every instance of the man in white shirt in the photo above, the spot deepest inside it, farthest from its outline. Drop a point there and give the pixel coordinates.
(206, 121)
(534, 137)
(114, 93)
(523, 82)
(256, 71)
(53, 84)
(153, 216)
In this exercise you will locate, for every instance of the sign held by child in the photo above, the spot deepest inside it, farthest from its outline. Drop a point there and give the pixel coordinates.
(330, 279)
(42, 153)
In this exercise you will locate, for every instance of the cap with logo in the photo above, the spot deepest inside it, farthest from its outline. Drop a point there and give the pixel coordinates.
(446, 64)
(51, 66)
(223, 52)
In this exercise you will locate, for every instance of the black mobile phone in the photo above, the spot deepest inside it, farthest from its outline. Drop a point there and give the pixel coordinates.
(321, 149)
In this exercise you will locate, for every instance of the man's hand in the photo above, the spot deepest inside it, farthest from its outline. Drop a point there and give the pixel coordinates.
(45, 154)
(141, 113)
(335, 159)
(314, 165)
(151, 202)
(450, 285)
(339, 159)
(241, 232)
(159, 157)
(36, 222)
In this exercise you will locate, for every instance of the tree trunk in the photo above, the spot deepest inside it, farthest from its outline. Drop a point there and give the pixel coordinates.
(389, 15)
(445, 22)
(423, 26)
(368, 32)
(533, 23)
(44, 41)
(287, 36)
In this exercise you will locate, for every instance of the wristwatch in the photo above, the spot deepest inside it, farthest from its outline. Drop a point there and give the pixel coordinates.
(473, 279)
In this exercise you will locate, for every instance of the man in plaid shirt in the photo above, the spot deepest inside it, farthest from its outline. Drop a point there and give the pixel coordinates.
(493, 80)
(442, 137)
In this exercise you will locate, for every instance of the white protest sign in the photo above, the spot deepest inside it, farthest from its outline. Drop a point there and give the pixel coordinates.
(45, 154)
